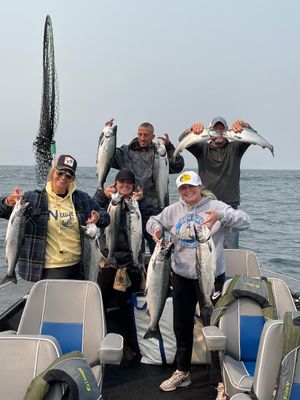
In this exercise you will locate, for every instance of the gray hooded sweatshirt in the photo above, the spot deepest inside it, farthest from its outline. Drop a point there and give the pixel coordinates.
(179, 220)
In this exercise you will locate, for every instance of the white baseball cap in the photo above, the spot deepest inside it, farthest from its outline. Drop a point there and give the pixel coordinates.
(188, 178)
(215, 120)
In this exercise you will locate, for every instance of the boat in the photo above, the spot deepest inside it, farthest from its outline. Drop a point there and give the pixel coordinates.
(136, 379)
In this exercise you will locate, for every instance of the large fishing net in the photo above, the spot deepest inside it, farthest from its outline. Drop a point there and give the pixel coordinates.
(44, 145)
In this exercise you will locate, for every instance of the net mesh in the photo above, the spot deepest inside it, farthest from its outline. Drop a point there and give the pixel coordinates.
(43, 146)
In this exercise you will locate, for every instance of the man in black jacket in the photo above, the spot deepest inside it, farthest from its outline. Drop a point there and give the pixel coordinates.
(138, 157)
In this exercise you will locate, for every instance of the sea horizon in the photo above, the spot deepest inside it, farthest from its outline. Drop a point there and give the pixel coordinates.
(270, 197)
(185, 168)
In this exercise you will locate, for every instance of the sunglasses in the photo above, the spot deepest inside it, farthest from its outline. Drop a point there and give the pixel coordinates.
(68, 175)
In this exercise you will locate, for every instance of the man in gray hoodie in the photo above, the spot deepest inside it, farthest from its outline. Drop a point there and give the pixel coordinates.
(181, 220)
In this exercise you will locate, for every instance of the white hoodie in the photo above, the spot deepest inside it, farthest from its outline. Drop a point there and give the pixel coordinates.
(179, 220)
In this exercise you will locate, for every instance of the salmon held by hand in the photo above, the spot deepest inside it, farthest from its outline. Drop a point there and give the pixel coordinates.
(157, 286)
(14, 239)
(206, 265)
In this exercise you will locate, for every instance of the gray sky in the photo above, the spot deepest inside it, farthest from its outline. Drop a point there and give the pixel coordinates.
(168, 62)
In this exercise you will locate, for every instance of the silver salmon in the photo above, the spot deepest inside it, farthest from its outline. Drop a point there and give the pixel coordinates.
(189, 138)
(14, 239)
(157, 286)
(112, 230)
(249, 136)
(91, 252)
(106, 152)
(161, 172)
(206, 264)
(134, 229)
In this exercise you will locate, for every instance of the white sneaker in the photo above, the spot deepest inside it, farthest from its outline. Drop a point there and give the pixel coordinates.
(176, 380)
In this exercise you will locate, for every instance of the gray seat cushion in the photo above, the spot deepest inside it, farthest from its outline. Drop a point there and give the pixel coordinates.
(243, 324)
(241, 262)
(22, 359)
(71, 311)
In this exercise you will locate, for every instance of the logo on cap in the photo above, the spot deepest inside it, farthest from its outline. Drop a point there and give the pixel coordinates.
(69, 161)
(185, 178)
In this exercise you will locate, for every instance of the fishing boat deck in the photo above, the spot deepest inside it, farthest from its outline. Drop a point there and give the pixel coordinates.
(134, 381)
(141, 381)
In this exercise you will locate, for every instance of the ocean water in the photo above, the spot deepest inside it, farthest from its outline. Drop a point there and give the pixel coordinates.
(270, 197)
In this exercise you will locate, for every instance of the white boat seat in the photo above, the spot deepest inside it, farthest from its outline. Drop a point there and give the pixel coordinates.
(242, 323)
(241, 262)
(73, 313)
(268, 362)
(22, 359)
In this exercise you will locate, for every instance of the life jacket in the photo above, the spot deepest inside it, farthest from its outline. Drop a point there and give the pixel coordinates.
(288, 387)
(259, 289)
(70, 369)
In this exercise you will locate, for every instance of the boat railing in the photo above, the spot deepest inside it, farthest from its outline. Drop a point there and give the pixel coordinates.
(292, 283)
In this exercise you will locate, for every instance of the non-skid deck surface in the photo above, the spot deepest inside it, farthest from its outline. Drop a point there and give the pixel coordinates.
(141, 382)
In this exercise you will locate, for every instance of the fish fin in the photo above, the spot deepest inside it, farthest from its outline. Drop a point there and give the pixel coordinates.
(153, 333)
(8, 278)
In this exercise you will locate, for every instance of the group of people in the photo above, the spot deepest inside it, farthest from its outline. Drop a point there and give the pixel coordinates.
(53, 245)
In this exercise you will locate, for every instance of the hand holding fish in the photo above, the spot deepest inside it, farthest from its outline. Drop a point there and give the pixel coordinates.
(197, 129)
(109, 122)
(165, 138)
(156, 235)
(239, 125)
(109, 190)
(138, 194)
(106, 151)
(14, 196)
(212, 218)
(14, 236)
(94, 217)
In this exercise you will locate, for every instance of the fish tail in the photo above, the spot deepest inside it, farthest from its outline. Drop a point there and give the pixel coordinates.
(8, 278)
(153, 333)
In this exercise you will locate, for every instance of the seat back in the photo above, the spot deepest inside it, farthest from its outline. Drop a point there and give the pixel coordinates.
(69, 310)
(22, 359)
(268, 360)
(243, 323)
(241, 262)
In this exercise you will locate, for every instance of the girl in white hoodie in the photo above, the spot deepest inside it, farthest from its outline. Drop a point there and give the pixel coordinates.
(180, 219)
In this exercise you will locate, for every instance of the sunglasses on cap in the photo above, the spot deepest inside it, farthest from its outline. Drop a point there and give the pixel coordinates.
(69, 175)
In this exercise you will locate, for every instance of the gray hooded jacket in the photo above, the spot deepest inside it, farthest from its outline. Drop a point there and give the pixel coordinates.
(179, 220)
